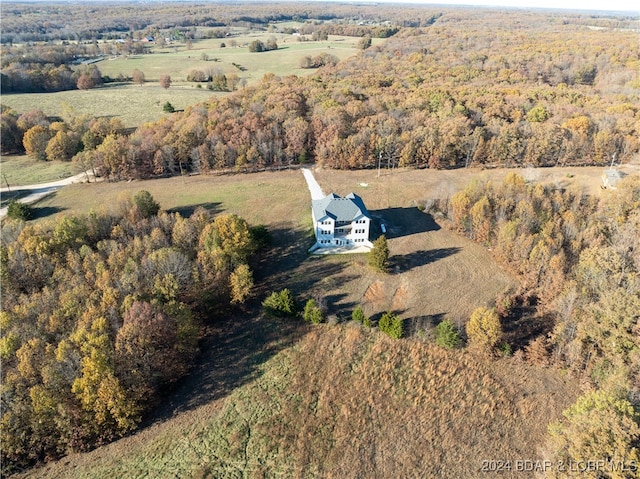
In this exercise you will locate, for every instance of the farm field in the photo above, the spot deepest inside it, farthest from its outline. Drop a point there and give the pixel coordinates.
(139, 104)
(177, 60)
(133, 104)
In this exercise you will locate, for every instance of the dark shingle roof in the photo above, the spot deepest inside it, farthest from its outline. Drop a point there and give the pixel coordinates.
(340, 209)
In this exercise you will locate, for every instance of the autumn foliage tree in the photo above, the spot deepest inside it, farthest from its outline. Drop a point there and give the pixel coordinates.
(165, 81)
(119, 295)
(602, 427)
(138, 77)
(484, 331)
(36, 140)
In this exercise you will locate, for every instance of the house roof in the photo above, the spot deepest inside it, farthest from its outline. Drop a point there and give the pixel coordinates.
(340, 209)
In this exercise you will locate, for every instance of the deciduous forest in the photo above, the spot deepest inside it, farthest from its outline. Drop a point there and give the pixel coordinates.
(482, 89)
(102, 313)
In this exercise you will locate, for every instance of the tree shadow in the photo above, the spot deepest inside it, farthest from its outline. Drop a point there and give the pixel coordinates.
(44, 211)
(186, 211)
(230, 356)
(522, 326)
(415, 259)
(400, 222)
(336, 307)
(420, 324)
(7, 196)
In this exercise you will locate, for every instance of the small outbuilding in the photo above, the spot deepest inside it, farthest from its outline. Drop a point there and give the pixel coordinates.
(611, 178)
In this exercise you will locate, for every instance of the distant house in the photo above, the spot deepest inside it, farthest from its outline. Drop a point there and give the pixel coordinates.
(341, 222)
(611, 178)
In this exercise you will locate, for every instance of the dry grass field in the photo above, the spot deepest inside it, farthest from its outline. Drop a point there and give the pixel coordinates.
(138, 104)
(272, 399)
(276, 398)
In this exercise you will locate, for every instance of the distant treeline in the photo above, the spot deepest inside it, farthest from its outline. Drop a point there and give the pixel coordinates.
(26, 23)
(483, 90)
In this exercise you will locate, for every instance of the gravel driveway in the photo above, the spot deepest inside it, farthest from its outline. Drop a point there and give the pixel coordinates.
(314, 187)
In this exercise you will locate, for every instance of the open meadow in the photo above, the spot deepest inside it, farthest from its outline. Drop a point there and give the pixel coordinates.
(177, 60)
(272, 399)
(133, 104)
(139, 104)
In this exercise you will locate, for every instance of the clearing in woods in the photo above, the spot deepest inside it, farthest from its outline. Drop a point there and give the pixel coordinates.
(282, 398)
(434, 272)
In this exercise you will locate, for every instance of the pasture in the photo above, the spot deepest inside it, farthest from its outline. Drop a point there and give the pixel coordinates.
(177, 60)
(133, 104)
(137, 104)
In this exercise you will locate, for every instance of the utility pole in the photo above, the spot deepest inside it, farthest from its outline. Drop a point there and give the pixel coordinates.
(379, 159)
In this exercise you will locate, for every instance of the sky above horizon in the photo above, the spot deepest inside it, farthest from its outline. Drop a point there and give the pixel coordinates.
(632, 6)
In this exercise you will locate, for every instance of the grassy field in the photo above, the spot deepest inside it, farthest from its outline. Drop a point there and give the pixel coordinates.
(272, 399)
(133, 104)
(177, 60)
(138, 104)
(282, 399)
(21, 170)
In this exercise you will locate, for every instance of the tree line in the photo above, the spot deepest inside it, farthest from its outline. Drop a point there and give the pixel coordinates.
(100, 317)
(438, 97)
(55, 139)
(579, 260)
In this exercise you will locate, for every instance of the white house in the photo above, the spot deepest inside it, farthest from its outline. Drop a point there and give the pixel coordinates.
(341, 222)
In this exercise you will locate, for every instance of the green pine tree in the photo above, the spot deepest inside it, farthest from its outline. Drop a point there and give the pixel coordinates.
(379, 255)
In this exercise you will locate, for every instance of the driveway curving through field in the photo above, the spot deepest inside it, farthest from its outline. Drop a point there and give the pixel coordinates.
(39, 191)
